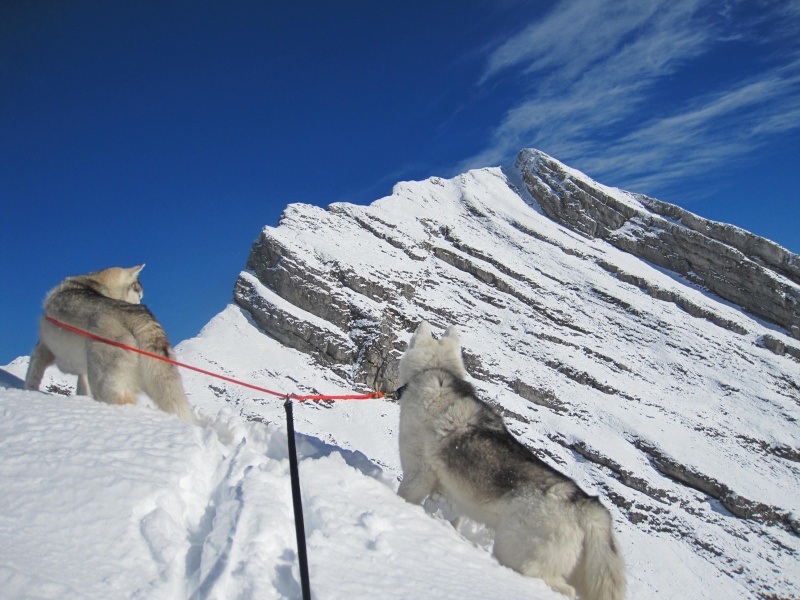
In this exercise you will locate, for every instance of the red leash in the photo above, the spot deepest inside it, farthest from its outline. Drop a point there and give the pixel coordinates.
(372, 396)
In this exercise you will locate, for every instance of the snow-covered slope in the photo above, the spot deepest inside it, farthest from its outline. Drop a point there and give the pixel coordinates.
(678, 408)
(112, 502)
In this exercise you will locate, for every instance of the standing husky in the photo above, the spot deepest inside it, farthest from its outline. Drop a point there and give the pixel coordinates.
(106, 303)
(454, 444)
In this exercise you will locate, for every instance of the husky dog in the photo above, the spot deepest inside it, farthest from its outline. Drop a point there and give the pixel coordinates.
(454, 444)
(106, 303)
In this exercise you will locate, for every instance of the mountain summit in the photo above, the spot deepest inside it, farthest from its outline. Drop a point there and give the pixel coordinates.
(649, 353)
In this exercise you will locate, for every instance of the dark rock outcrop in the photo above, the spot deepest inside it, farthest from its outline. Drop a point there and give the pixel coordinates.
(358, 343)
(737, 265)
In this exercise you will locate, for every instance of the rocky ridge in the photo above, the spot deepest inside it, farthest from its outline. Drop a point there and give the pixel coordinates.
(748, 270)
(605, 325)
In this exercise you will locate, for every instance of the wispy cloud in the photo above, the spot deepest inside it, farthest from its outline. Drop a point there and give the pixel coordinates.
(593, 70)
(714, 128)
(580, 35)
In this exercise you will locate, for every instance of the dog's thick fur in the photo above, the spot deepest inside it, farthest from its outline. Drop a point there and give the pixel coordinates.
(107, 303)
(454, 444)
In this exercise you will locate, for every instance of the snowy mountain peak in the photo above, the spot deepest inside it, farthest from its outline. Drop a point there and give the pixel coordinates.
(650, 353)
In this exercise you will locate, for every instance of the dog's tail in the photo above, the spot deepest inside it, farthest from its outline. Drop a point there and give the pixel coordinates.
(161, 380)
(600, 575)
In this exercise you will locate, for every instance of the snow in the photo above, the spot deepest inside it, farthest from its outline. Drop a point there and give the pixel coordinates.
(101, 501)
(107, 502)
(163, 509)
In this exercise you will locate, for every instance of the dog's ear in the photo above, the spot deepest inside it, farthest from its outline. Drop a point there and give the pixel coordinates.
(450, 351)
(133, 272)
(452, 335)
(423, 333)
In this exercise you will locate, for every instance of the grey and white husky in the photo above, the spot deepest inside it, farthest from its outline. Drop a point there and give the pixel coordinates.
(107, 303)
(456, 445)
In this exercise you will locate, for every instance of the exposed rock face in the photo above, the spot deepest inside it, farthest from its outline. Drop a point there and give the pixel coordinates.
(591, 326)
(743, 268)
(360, 354)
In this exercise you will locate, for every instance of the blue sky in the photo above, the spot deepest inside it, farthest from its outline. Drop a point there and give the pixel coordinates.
(171, 132)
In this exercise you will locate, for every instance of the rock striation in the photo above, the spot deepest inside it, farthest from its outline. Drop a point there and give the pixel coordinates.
(748, 270)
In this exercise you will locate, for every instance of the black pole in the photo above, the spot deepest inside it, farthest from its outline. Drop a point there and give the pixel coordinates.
(299, 527)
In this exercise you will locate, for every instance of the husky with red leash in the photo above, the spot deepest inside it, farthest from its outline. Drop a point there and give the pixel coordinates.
(454, 444)
(107, 303)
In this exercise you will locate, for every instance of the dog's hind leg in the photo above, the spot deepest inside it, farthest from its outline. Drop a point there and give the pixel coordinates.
(41, 358)
(111, 375)
(540, 537)
(83, 388)
(545, 562)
